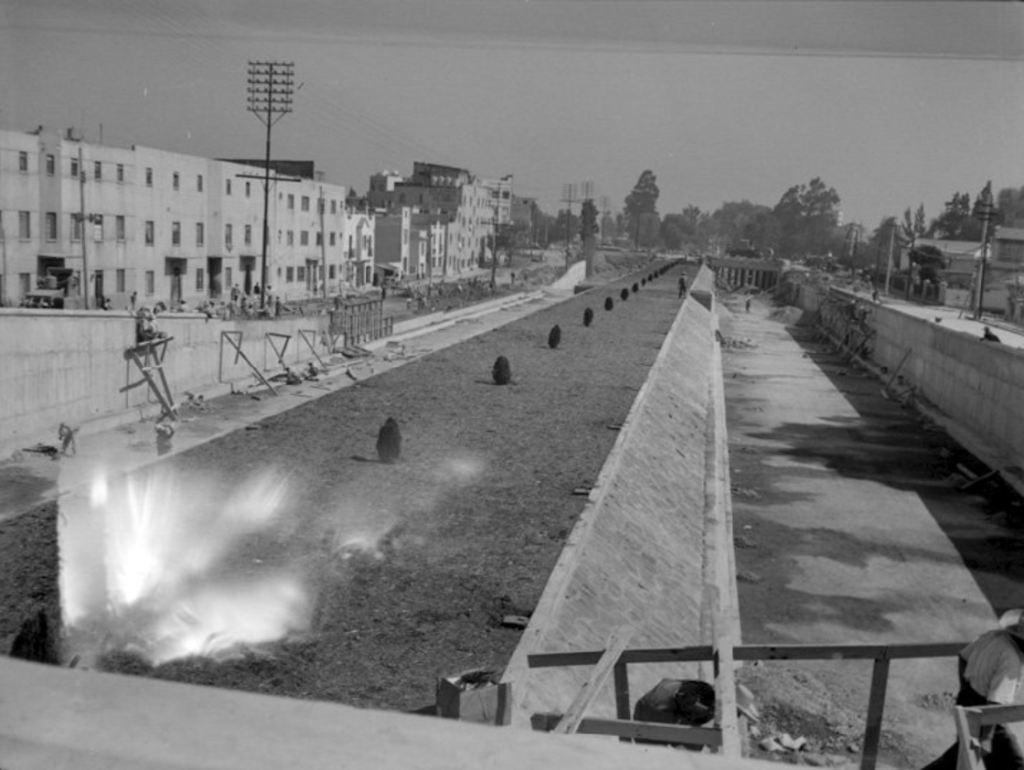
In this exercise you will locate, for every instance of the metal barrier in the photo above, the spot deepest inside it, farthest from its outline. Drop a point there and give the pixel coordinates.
(360, 320)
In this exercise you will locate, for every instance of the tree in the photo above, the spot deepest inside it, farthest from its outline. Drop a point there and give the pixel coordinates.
(673, 230)
(913, 225)
(557, 231)
(807, 216)
(648, 230)
(588, 220)
(1010, 202)
(956, 222)
(642, 200)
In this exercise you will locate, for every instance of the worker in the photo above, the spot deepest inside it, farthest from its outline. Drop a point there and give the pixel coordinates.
(682, 286)
(990, 669)
(687, 702)
(988, 336)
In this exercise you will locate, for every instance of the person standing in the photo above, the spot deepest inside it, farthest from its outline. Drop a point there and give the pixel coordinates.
(990, 669)
(682, 286)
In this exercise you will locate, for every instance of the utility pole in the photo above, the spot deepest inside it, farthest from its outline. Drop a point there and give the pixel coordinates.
(892, 243)
(568, 197)
(986, 212)
(323, 246)
(271, 85)
(84, 284)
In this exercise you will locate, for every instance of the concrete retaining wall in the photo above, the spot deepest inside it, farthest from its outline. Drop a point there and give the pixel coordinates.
(976, 387)
(71, 366)
(638, 555)
(577, 273)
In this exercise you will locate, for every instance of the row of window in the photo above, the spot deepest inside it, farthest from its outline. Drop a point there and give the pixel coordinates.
(149, 231)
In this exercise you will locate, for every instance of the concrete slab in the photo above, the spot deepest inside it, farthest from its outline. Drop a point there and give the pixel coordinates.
(848, 531)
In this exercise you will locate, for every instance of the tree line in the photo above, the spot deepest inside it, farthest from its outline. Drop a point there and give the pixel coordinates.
(804, 223)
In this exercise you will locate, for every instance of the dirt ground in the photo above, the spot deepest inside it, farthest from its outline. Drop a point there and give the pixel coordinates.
(466, 526)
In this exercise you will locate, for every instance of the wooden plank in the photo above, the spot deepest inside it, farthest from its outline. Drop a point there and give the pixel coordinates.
(969, 756)
(652, 731)
(617, 642)
(755, 652)
(620, 674)
(876, 707)
(992, 715)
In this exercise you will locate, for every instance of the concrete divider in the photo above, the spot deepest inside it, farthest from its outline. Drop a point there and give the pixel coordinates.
(641, 553)
(577, 273)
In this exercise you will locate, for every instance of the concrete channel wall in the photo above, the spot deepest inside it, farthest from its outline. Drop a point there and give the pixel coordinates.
(975, 388)
(71, 367)
(642, 553)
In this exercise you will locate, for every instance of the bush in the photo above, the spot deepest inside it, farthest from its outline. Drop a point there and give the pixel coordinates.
(643, 281)
(624, 294)
(554, 336)
(389, 441)
(635, 288)
(502, 371)
(609, 304)
(588, 317)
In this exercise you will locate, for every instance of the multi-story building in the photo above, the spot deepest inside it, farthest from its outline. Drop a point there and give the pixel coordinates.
(121, 223)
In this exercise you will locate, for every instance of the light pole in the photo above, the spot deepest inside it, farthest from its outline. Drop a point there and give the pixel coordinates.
(271, 85)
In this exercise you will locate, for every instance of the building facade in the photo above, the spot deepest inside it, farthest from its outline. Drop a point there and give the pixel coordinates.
(107, 223)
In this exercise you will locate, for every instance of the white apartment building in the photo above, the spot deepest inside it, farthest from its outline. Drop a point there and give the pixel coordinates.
(166, 226)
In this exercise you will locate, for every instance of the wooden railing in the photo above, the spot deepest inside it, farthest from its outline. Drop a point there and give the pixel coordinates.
(623, 727)
(969, 721)
(360, 320)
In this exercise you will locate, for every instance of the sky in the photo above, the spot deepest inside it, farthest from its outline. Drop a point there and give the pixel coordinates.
(893, 104)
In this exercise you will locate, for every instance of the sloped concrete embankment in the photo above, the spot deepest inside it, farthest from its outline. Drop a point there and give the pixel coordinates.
(648, 551)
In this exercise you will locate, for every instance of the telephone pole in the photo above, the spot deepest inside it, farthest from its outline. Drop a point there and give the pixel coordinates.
(271, 85)
(84, 283)
(986, 211)
(323, 246)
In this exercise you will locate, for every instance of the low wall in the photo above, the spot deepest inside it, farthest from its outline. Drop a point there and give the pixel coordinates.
(640, 554)
(71, 366)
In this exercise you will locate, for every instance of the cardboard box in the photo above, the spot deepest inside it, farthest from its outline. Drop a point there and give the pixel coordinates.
(489, 704)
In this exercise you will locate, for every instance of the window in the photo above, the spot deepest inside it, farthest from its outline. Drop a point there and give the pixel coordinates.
(227, 277)
(119, 227)
(330, 272)
(25, 283)
(150, 232)
(228, 236)
(405, 237)
(51, 165)
(149, 177)
(319, 239)
(291, 201)
(291, 237)
(97, 170)
(304, 238)
(227, 187)
(289, 274)
(300, 273)
(176, 181)
(199, 234)
(334, 210)
(97, 227)
(248, 235)
(150, 282)
(23, 162)
(305, 203)
(199, 279)
(120, 173)
(119, 280)
(199, 183)
(76, 227)
(24, 225)
(247, 189)
(175, 233)
(74, 167)
(332, 239)
(51, 225)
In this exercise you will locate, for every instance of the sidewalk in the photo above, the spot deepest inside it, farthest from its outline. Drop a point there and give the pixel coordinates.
(32, 478)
